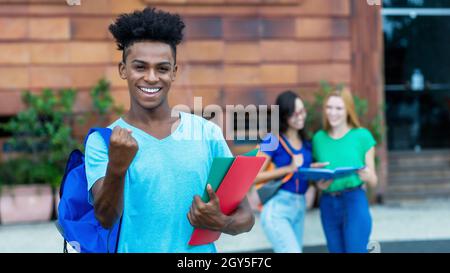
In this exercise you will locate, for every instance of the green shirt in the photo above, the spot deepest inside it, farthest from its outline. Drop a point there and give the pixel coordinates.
(347, 151)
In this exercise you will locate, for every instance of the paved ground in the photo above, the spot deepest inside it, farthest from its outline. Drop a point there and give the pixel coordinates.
(408, 227)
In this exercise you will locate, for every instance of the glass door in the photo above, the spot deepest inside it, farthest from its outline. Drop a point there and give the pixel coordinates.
(417, 73)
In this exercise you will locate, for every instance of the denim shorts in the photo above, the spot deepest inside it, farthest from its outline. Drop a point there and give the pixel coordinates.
(282, 220)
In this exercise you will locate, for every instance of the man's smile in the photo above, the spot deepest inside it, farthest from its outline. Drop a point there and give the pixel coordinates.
(152, 90)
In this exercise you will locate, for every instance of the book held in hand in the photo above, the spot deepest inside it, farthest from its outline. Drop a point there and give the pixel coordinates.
(317, 174)
(231, 179)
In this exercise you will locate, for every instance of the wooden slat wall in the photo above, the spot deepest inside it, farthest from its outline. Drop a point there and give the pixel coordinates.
(236, 51)
(233, 50)
(367, 61)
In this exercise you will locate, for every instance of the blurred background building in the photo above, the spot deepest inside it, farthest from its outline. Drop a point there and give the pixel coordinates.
(417, 96)
(248, 51)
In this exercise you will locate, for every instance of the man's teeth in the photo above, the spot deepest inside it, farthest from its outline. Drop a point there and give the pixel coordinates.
(150, 90)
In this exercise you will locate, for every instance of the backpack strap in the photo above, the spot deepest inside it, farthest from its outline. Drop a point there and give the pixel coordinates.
(287, 177)
(106, 135)
(104, 132)
(286, 147)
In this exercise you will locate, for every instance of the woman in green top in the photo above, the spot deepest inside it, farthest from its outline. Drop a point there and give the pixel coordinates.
(344, 207)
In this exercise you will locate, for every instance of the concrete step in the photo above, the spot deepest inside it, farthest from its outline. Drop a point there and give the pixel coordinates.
(419, 174)
(424, 158)
(413, 163)
(421, 154)
(407, 181)
(430, 185)
(439, 193)
(424, 166)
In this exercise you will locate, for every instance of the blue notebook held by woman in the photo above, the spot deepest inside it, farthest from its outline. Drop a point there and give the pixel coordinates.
(317, 174)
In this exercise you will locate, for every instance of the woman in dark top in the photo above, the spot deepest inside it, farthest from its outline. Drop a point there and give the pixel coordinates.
(283, 215)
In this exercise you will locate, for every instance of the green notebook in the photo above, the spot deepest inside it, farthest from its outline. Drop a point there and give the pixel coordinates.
(253, 152)
(219, 168)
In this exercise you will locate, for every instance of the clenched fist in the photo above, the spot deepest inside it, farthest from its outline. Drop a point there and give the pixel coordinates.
(122, 149)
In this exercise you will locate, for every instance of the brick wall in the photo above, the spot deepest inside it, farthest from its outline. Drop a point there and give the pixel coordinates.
(239, 51)
(236, 51)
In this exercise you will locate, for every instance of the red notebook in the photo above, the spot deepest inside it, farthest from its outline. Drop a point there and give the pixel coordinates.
(231, 192)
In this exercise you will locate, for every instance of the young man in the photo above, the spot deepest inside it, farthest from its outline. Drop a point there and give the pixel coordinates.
(154, 169)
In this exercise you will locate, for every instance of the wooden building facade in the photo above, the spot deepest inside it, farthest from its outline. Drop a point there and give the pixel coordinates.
(235, 52)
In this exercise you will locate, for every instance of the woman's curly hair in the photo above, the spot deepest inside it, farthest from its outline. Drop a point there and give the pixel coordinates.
(149, 24)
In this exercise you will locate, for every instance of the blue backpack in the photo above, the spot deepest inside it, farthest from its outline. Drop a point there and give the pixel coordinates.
(76, 218)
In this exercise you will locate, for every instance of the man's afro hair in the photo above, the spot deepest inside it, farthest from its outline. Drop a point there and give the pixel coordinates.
(147, 25)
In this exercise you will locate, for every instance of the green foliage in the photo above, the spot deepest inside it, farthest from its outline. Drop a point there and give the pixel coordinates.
(101, 97)
(42, 134)
(102, 100)
(314, 108)
(25, 171)
(102, 104)
(41, 137)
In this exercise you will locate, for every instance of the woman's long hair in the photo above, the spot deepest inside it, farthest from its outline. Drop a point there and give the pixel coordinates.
(286, 104)
(349, 103)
